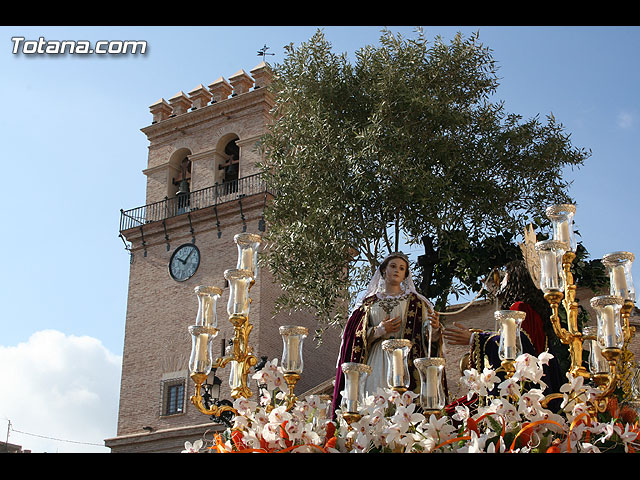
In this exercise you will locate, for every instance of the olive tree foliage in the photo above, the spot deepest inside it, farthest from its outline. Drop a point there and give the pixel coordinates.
(403, 144)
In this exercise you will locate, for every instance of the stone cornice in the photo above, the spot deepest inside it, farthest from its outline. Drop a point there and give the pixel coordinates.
(224, 108)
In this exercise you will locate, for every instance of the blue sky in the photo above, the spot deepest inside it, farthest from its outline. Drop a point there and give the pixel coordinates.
(74, 155)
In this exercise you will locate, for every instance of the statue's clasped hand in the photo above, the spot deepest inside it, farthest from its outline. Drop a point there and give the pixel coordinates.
(391, 324)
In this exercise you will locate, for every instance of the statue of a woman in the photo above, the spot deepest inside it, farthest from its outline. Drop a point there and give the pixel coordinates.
(391, 308)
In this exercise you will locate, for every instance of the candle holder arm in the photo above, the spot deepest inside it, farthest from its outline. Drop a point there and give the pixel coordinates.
(198, 400)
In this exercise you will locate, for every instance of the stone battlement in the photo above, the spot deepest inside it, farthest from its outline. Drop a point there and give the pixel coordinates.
(220, 89)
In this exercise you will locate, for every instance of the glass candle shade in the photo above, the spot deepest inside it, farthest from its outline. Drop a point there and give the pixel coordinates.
(561, 217)
(551, 271)
(239, 283)
(292, 340)
(609, 331)
(431, 388)
(207, 305)
(510, 345)
(235, 375)
(201, 359)
(248, 244)
(397, 351)
(597, 363)
(619, 265)
(355, 378)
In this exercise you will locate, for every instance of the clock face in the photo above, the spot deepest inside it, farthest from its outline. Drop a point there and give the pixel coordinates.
(184, 262)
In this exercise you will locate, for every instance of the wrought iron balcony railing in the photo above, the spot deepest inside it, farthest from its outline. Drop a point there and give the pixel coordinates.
(207, 197)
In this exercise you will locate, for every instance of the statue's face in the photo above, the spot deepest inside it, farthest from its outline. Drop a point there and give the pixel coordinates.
(396, 270)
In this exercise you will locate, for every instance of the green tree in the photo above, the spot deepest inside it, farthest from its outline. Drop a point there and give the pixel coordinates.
(403, 145)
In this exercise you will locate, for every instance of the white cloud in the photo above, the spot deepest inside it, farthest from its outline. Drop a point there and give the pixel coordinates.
(59, 392)
(625, 120)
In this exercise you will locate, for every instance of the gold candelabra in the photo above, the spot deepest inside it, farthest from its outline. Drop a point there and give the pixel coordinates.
(240, 357)
(613, 331)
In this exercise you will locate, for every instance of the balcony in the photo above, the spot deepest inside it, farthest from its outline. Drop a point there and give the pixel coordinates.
(217, 194)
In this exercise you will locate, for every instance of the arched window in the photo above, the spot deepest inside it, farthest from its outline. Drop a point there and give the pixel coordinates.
(179, 182)
(183, 182)
(231, 167)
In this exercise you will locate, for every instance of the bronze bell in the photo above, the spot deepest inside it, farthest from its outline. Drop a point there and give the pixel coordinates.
(183, 188)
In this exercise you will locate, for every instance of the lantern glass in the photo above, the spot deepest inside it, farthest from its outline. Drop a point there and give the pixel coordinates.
(201, 359)
(248, 244)
(292, 340)
(609, 331)
(510, 345)
(397, 351)
(597, 363)
(431, 370)
(618, 265)
(551, 272)
(235, 375)
(204, 331)
(561, 217)
(239, 283)
(207, 305)
(355, 378)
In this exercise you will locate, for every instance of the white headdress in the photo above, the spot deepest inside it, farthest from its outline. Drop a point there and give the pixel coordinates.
(377, 284)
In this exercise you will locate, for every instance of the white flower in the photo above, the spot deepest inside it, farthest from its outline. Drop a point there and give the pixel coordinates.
(510, 388)
(293, 429)
(589, 448)
(406, 416)
(309, 436)
(608, 429)
(544, 357)
(501, 407)
(438, 429)
(529, 405)
(474, 445)
(480, 383)
(279, 415)
(392, 435)
(406, 399)
(195, 448)
(244, 406)
(628, 435)
(271, 435)
(462, 413)
(271, 375)
(530, 368)
(361, 442)
(488, 379)
(241, 422)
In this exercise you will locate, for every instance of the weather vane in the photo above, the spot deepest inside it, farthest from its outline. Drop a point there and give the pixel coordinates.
(264, 53)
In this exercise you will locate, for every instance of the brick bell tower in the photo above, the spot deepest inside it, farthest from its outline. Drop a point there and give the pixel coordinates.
(203, 188)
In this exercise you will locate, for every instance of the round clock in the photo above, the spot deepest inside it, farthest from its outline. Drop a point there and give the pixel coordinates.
(184, 262)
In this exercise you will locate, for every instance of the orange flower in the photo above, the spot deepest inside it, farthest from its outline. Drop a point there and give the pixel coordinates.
(472, 425)
(628, 415)
(331, 443)
(236, 437)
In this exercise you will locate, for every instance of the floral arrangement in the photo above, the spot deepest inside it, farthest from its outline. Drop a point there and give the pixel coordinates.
(499, 415)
